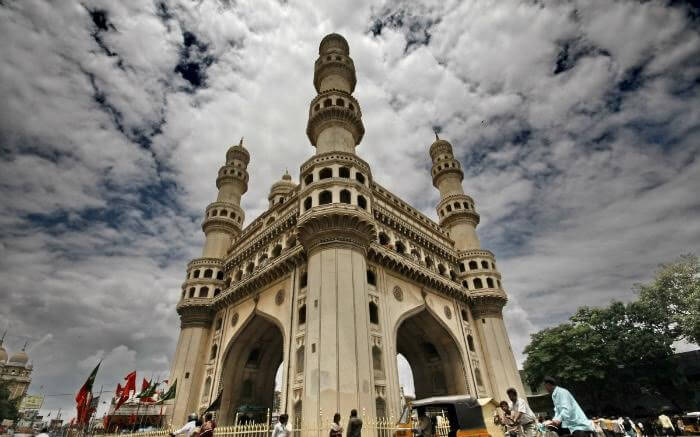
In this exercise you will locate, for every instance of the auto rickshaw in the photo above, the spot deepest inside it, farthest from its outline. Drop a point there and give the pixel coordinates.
(452, 416)
(691, 423)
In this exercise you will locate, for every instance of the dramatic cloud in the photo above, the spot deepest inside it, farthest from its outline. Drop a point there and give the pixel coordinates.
(577, 124)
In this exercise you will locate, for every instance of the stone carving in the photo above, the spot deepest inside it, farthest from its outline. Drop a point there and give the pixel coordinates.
(279, 298)
(398, 293)
(448, 312)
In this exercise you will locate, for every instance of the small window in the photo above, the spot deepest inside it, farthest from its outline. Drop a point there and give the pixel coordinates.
(307, 203)
(344, 172)
(383, 239)
(489, 282)
(339, 102)
(291, 241)
(204, 292)
(300, 360)
(317, 107)
(373, 313)
(325, 173)
(466, 205)
(453, 275)
(478, 283)
(371, 278)
(276, 251)
(196, 274)
(473, 265)
(449, 208)
(303, 280)
(208, 273)
(308, 179)
(362, 202)
(219, 321)
(461, 267)
(360, 177)
(457, 205)
(325, 197)
(192, 292)
(465, 284)
(485, 265)
(477, 376)
(217, 291)
(428, 261)
(214, 350)
(352, 108)
(214, 213)
(470, 339)
(220, 275)
(250, 267)
(441, 269)
(344, 196)
(400, 247)
(302, 314)
(327, 103)
(239, 275)
(465, 317)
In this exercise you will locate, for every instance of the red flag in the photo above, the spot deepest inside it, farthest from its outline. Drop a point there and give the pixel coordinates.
(82, 399)
(126, 390)
(144, 385)
(118, 391)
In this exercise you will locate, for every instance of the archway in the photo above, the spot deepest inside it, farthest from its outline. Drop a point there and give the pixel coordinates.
(250, 369)
(433, 355)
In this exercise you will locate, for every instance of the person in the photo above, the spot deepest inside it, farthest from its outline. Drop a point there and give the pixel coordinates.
(207, 429)
(336, 429)
(354, 425)
(666, 425)
(680, 426)
(567, 413)
(521, 413)
(189, 428)
(509, 427)
(541, 429)
(597, 428)
(282, 428)
(424, 427)
(44, 432)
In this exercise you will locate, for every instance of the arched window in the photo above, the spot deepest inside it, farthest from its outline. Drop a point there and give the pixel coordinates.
(220, 275)
(250, 267)
(360, 177)
(373, 313)
(307, 203)
(415, 253)
(489, 282)
(464, 315)
(461, 267)
(429, 261)
(441, 269)
(309, 178)
(302, 314)
(219, 321)
(247, 389)
(232, 215)
(453, 275)
(291, 241)
(327, 103)
(485, 265)
(466, 205)
(192, 292)
(300, 359)
(362, 202)
(448, 208)
(465, 284)
(214, 213)
(262, 259)
(400, 247)
(344, 172)
(371, 278)
(184, 292)
(380, 406)
(344, 196)
(325, 197)
(325, 173)
(277, 250)
(303, 280)
(217, 291)
(383, 239)
(477, 376)
(253, 358)
(473, 265)
(478, 283)
(207, 388)
(470, 339)
(352, 108)
(457, 205)
(208, 273)
(377, 358)
(204, 292)
(196, 274)
(214, 350)
(339, 102)
(239, 275)
(317, 107)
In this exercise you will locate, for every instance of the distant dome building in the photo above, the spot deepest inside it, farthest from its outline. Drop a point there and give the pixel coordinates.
(15, 371)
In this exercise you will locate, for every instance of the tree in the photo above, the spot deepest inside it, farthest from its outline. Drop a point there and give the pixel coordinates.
(674, 297)
(8, 408)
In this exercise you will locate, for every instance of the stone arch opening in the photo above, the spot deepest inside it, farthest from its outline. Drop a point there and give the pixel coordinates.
(433, 356)
(249, 369)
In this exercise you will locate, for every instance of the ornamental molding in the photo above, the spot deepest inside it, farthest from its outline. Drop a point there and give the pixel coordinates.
(245, 249)
(342, 158)
(404, 208)
(339, 225)
(414, 271)
(460, 215)
(475, 253)
(336, 182)
(343, 67)
(205, 262)
(335, 116)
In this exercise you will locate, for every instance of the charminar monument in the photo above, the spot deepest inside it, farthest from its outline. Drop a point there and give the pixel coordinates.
(335, 279)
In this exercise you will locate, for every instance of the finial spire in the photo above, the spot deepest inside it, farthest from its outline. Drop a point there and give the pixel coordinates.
(241, 142)
(2, 339)
(436, 134)
(25, 345)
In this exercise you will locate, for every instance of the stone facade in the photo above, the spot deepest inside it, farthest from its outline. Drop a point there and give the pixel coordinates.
(335, 279)
(15, 371)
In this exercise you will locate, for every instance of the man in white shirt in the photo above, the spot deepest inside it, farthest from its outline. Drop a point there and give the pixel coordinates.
(282, 429)
(522, 414)
(189, 427)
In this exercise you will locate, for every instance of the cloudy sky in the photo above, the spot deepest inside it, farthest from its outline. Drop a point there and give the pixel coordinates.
(577, 124)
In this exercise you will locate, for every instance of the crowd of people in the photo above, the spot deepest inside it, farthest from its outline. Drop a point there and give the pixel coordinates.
(516, 419)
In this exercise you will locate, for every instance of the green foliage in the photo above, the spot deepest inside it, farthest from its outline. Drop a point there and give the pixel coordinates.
(607, 356)
(8, 408)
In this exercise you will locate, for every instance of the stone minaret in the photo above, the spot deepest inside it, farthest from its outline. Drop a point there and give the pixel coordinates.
(335, 226)
(457, 214)
(205, 278)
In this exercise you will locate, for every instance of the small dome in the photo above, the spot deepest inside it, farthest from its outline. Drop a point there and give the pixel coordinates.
(440, 145)
(333, 42)
(238, 151)
(30, 366)
(20, 357)
(283, 186)
(3, 354)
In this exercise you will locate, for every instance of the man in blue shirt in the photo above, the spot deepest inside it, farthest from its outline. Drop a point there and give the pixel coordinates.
(567, 413)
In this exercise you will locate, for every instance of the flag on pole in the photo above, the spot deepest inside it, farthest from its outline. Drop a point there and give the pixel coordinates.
(147, 394)
(126, 390)
(82, 399)
(170, 394)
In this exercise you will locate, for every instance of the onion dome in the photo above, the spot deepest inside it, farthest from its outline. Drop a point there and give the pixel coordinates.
(238, 152)
(282, 187)
(3, 354)
(440, 145)
(20, 358)
(333, 42)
